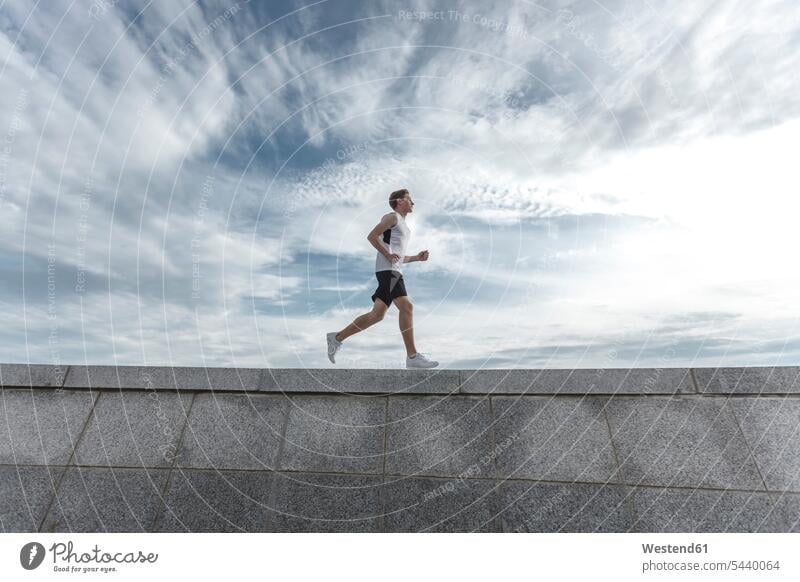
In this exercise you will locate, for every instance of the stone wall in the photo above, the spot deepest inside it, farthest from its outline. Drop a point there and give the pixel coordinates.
(104, 448)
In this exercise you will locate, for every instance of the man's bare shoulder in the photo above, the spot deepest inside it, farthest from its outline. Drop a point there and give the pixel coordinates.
(390, 218)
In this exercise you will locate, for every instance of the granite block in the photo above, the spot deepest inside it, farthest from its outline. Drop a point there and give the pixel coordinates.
(749, 380)
(771, 427)
(703, 510)
(41, 427)
(233, 431)
(92, 499)
(32, 375)
(553, 439)
(578, 381)
(134, 428)
(327, 503)
(360, 381)
(440, 505)
(527, 506)
(217, 501)
(342, 434)
(439, 436)
(688, 442)
(787, 508)
(163, 378)
(25, 493)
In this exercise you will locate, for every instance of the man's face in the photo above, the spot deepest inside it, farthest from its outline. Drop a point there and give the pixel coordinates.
(406, 203)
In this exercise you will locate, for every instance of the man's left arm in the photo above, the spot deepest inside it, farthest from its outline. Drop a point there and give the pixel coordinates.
(421, 256)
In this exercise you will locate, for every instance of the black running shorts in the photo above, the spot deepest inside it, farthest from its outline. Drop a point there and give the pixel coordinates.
(390, 286)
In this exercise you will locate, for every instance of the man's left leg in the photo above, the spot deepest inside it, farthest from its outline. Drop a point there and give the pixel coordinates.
(406, 323)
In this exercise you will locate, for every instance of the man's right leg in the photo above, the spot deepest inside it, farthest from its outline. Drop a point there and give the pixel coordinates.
(362, 322)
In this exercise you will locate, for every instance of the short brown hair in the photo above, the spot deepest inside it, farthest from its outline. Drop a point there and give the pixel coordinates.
(395, 196)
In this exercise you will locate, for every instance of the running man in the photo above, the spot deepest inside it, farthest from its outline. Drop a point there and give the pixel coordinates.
(390, 236)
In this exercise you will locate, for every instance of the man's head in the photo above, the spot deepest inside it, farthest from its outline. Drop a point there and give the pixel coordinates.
(400, 200)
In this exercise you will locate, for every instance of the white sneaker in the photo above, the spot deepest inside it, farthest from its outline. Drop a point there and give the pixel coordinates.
(420, 361)
(333, 345)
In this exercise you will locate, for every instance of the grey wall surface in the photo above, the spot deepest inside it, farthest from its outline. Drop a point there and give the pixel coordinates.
(128, 449)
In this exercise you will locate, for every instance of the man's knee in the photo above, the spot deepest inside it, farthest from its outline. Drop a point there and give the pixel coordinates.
(405, 306)
(378, 311)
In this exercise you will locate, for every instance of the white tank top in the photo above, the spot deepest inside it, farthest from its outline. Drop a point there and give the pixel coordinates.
(394, 240)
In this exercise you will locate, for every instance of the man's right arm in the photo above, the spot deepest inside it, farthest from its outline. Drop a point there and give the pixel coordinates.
(388, 221)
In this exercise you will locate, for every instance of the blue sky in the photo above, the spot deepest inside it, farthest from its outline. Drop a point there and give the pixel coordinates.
(598, 184)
